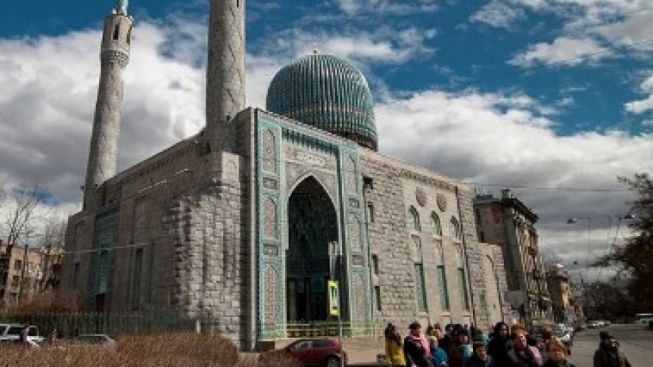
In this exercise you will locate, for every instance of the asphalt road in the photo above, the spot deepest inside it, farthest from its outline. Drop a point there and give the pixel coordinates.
(636, 341)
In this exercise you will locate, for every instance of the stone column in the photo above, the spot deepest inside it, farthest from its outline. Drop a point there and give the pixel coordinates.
(225, 76)
(106, 123)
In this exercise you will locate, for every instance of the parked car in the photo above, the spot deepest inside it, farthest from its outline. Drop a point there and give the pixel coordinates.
(566, 336)
(313, 352)
(11, 332)
(593, 324)
(94, 339)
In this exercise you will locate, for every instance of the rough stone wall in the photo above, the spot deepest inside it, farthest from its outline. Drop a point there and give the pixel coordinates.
(397, 186)
(474, 255)
(388, 240)
(79, 243)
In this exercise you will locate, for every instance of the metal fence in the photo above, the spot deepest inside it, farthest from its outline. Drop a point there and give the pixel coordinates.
(73, 324)
(318, 329)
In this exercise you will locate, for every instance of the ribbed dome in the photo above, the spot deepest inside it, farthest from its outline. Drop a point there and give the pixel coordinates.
(328, 93)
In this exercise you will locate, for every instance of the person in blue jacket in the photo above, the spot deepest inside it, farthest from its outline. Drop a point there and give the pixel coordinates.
(438, 355)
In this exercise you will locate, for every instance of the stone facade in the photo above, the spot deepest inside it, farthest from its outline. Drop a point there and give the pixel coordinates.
(565, 307)
(206, 234)
(234, 226)
(510, 224)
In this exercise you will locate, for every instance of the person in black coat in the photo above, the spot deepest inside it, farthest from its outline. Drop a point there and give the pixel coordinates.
(498, 347)
(416, 348)
(480, 357)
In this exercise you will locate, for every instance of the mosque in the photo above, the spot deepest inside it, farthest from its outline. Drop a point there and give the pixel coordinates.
(237, 223)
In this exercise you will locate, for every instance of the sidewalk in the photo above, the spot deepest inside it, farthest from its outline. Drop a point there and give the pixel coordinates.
(363, 352)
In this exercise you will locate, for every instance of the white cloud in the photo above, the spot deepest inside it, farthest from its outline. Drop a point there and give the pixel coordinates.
(563, 50)
(479, 138)
(46, 109)
(645, 104)
(356, 7)
(622, 24)
(498, 14)
(384, 45)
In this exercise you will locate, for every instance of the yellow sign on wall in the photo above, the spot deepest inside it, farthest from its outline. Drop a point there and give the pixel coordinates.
(334, 298)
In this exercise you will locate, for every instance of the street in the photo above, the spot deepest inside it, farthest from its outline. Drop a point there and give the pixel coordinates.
(636, 341)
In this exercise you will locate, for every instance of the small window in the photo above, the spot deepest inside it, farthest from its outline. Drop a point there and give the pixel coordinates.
(413, 219)
(442, 288)
(455, 228)
(375, 264)
(462, 286)
(129, 36)
(370, 212)
(435, 224)
(368, 183)
(377, 298)
(138, 265)
(75, 274)
(18, 265)
(238, 3)
(420, 288)
(116, 32)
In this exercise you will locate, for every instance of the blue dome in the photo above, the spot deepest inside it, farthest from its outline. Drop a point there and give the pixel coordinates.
(328, 93)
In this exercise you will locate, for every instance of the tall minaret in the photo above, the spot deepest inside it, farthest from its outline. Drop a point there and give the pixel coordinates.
(225, 75)
(106, 123)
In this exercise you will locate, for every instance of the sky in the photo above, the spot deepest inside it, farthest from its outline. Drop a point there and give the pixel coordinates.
(551, 98)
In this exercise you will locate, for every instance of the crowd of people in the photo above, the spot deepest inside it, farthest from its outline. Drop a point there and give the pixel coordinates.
(462, 346)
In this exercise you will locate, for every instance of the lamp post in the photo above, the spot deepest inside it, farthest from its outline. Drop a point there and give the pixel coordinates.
(587, 258)
(589, 234)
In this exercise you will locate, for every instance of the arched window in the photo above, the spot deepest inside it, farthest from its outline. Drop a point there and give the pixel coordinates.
(455, 228)
(413, 219)
(435, 224)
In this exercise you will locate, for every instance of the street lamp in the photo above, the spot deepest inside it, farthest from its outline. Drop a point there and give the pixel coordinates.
(589, 234)
(589, 243)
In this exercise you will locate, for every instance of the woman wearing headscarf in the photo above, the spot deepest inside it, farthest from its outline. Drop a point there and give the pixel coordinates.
(394, 351)
(498, 347)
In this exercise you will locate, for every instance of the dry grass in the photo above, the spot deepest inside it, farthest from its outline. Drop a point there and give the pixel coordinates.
(186, 350)
(52, 302)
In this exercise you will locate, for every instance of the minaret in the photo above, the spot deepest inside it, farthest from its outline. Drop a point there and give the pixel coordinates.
(114, 58)
(225, 75)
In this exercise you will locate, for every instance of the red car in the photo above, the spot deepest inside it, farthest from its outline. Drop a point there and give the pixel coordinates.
(314, 352)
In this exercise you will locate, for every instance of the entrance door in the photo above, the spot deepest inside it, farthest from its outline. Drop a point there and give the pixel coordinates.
(312, 224)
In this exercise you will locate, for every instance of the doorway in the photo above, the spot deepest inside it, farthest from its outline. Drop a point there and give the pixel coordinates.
(312, 224)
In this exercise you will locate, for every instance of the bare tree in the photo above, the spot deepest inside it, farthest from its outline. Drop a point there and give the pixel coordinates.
(52, 243)
(23, 205)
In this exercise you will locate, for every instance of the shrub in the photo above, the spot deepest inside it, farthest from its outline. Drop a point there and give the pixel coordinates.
(183, 349)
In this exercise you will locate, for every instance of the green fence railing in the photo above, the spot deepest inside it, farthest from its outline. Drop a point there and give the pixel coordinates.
(73, 324)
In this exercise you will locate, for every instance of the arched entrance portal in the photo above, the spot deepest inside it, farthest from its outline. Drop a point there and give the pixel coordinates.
(312, 224)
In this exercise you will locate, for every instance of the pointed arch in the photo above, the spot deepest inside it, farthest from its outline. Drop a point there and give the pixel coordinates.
(435, 224)
(312, 225)
(412, 220)
(456, 232)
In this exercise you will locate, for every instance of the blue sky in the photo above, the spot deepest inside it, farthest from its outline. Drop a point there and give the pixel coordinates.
(467, 51)
(535, 95)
